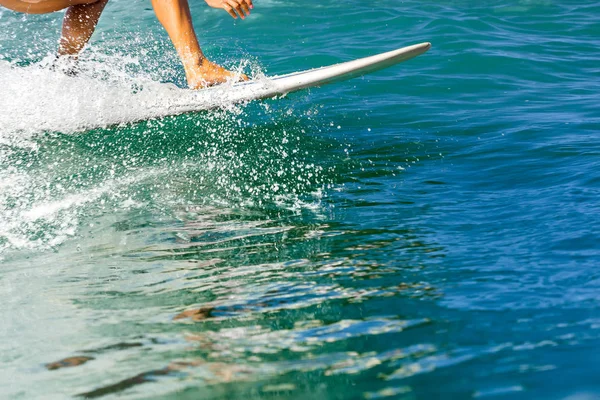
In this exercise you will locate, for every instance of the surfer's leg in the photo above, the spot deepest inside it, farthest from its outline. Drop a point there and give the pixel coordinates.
(79, 24)
(175, 16)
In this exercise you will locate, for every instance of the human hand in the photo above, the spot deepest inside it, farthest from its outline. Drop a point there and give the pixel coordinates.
(233, 7)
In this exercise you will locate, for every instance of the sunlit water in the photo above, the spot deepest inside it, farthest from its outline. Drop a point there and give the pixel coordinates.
(429, 231)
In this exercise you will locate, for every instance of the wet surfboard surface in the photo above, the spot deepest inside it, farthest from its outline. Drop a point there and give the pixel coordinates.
(269, 87)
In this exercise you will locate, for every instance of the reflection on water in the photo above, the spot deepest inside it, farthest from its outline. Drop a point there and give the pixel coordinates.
(217, 298)
(217, 302)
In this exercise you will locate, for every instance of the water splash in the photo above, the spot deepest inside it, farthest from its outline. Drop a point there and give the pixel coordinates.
(37, 98)
(54, 177)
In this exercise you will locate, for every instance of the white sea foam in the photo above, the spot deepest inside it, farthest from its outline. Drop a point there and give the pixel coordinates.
(35, 98)
(57, 217)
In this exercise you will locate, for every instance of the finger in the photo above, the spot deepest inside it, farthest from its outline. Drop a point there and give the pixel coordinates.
(240, 10)
(244, 7)
(234, 5)
(229, 10)
(249, 4)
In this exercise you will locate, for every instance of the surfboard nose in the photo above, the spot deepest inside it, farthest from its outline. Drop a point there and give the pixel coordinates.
(424, 46)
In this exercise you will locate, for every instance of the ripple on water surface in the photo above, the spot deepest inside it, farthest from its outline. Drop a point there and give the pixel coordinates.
(428, 231)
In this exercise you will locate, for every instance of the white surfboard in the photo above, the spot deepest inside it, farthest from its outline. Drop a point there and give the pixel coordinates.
(226, 94)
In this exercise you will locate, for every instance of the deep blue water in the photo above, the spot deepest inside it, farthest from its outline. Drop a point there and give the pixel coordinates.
(428, 231)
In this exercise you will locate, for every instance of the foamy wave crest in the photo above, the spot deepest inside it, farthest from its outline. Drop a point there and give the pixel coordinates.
(37, 98)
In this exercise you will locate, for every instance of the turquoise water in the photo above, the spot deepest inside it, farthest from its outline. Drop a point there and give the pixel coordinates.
(428, 231)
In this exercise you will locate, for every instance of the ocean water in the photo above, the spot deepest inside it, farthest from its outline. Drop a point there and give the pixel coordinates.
(428, 231)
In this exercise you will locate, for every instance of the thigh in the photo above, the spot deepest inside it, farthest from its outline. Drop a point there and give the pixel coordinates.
(41, 6)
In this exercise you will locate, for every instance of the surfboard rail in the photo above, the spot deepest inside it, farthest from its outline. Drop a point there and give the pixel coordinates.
(280, 85)
(349, 69)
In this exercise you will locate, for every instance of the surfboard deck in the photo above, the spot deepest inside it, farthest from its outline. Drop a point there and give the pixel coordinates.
(269, 87)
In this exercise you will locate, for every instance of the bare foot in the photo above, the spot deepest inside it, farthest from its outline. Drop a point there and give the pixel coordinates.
(208, 74)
